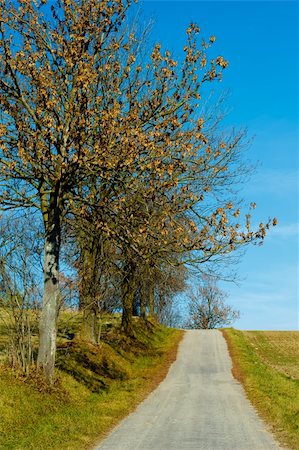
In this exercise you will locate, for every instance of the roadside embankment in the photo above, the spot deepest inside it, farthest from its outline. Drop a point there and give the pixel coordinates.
(97, 386)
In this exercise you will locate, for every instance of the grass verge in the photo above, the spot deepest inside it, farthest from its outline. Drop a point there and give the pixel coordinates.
(267, 364)
(98, 386)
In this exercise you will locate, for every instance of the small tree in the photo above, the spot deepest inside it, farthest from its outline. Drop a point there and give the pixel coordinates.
(207, 309)
(20, 295)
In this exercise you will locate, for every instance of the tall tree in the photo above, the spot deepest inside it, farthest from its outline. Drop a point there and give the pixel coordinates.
(89, 121)
(95, 266)
(49, 136)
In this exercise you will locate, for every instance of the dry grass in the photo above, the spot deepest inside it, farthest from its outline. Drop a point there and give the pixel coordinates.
(267, 363)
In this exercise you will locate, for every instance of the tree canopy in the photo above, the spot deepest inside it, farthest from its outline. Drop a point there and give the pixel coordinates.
(101, 133)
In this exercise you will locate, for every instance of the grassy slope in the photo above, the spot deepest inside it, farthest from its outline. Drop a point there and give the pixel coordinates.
(267, 364)
(98, 385)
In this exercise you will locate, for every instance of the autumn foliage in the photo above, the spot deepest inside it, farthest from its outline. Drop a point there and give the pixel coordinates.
(110, 142)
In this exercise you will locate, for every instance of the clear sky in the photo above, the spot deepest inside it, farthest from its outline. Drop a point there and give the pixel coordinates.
(260, 40)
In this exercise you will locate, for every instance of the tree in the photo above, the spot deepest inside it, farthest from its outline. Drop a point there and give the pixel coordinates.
(143, 114)
(170, 282)
(95, 269)
(207, 308)
(90, 123)
(20, 295)
(49, 138)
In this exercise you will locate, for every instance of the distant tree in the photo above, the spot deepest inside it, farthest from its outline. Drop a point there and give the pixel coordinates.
(207, 308)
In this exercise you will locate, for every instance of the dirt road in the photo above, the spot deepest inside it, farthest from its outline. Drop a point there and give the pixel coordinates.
(198, 406)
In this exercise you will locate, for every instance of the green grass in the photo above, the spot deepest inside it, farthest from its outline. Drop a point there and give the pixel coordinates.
(267, 364)
(97, 386)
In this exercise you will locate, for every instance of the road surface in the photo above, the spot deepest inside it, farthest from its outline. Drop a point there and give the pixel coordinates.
(198, 406)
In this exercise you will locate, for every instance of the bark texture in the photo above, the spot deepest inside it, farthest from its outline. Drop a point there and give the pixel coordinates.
(89, 328)
(89, 285)
(128, 295)
(151, 292)
(51, 296)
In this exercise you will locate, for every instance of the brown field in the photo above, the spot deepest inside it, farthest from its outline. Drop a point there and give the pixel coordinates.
(277, 349)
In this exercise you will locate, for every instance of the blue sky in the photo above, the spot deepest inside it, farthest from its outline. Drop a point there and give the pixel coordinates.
(260, 40)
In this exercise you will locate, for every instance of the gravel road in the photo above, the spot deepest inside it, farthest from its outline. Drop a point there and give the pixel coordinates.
(199, 405)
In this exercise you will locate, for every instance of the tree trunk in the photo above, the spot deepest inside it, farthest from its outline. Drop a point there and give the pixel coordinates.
(89, 327)
(88, 290)
(127, 322)
(151, 296)
(128, 301)
(144, 304)
(48, 320)
(147, 300)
